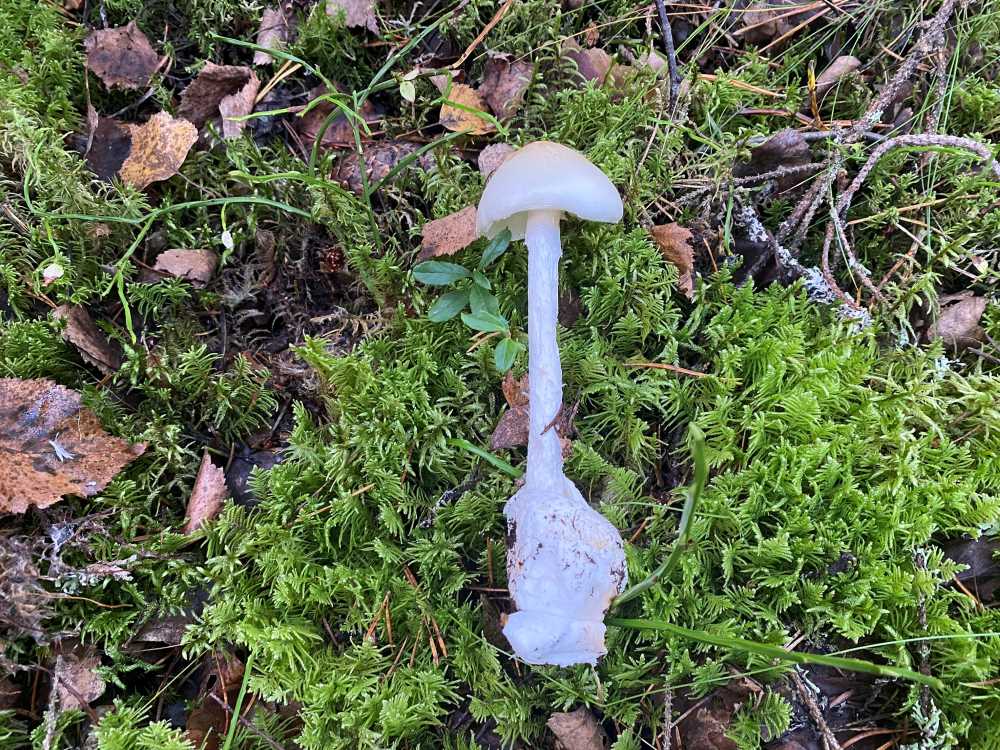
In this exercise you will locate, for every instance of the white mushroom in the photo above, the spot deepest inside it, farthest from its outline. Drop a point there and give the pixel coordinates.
(566, 562)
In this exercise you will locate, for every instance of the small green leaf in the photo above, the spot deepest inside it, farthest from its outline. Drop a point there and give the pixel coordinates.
(485, 321)
(505, 354)
(407, 90)
(480, 300)
(480, 279)
(448, 306)
(439, 272)
(498, 245)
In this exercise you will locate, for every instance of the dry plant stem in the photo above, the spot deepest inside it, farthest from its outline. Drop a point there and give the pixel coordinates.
(544, 469)
(829, 740)
(668, 46)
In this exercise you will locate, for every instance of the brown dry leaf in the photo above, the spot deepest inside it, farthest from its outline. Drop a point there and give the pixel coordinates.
(121, 57)
(449, 234)
(674, 242)
(504, 84)
(168, 630)
(226, 90)
(82, 332)
(842, 66)
(380, 158)
(159, 147)
(958, 324)
(493, 156)
(592, 64)
(76, 680)
(577, 730)
(591, 34)
(207, 723)
(512, 429)
(339, 132)
(207, 495)
(196, 266)
(110, 143)
(356, 13)
(10, 694)
(72, 5)
(276, 28)
(52, 446)
(460, 119)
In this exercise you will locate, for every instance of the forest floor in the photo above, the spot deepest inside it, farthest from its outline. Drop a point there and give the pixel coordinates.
(259, 396)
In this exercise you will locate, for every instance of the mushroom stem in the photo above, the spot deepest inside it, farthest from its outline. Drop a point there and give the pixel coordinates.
(544, 369)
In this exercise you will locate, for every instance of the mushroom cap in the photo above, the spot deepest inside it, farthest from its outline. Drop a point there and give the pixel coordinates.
(545, 176)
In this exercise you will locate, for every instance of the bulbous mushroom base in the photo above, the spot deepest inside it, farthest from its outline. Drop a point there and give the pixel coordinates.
(565, 564)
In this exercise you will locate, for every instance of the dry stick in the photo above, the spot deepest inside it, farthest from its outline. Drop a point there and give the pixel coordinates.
(668, 45)
(482, 34)
(829, 740)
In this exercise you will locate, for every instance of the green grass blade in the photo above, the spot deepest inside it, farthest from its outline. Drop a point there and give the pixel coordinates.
(776, 652)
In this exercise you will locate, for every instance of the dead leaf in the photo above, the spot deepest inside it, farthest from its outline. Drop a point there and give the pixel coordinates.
(209, 720)
(577, 730)
(458, 118)
(196, 266)
(207, 495)
(121, 57)
(591, 64)
(591, 34)
(159, 148)
(706, 726)
(674, 242)
(52, 446)
(52, 273)
(512, 429)
(276, 28)
(840, 67)
(226, 90)
(81, 331)
(958, 324)
(76, 680)
(783, 149)
(72, 5)
(168, 630)
(339, 132)
(356, 13)
(380, 158)
(110, 143)
(449, 234)
(982, 572)
(493, 156)
(504, 84)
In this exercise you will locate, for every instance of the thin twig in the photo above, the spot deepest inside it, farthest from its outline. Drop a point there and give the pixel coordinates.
(248, 725)
(829, 740)
(482, 34)
(668, 45)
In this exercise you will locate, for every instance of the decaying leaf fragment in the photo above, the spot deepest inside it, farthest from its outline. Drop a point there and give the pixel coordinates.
(50, 446)
(512, 429)
(82, 332)
(207, 495)
(493, 156)
(591, 64)
(449, 234)
(958, 325)
(159, 148)
(577, 730)
(76, 680)
(380, 159)
(356, 13)
(121, 57)
(504, 83)
(458, 114)
(674, 242)
(110, 143)
(226, 90)
(196, 266)
(276, 28)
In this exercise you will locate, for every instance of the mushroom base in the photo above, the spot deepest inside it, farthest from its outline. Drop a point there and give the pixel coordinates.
(565, 565)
